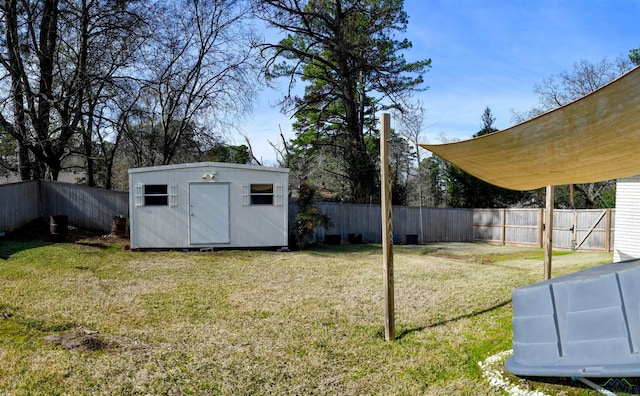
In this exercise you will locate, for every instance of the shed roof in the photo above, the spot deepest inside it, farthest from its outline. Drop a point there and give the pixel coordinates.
(195, 165)
(594, 138)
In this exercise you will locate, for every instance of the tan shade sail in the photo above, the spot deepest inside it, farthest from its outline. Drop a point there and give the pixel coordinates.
(594, 138)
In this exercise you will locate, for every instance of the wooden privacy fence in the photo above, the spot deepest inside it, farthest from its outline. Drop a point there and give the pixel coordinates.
(94, 209)
(86, 207)
(586, 229)
(19, 204)
(363, 222)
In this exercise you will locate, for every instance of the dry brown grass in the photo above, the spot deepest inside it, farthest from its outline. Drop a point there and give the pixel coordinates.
(242, 322)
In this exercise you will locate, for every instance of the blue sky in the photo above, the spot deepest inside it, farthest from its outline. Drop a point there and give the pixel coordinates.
(485, 53)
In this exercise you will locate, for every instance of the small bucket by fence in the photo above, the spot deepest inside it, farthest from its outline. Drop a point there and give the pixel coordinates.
(412, 239)
(58, 226)
(118, 226)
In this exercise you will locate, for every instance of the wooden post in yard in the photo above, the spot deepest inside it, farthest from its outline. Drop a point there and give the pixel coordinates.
(548, 232)
(387, 228)
(607, 235)
(504, 226)
(541, 228)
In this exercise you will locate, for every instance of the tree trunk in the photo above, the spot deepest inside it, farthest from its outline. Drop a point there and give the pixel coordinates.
(572, 195)
(24, 164)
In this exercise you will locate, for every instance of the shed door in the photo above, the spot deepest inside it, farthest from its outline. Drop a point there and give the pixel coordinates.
(208, 213)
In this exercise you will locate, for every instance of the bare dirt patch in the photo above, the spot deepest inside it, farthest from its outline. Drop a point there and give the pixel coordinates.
(83, 339)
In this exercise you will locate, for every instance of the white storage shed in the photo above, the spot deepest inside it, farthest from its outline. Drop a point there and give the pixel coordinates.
(208, 205)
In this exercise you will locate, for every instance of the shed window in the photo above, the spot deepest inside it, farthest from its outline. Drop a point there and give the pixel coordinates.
(262, 194)
(156, 195)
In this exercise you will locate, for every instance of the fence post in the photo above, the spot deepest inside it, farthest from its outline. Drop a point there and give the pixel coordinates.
(540, 228)
(574, 231)
(504, 226)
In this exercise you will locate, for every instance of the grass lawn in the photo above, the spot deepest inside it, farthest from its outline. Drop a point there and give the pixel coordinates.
(88, 317)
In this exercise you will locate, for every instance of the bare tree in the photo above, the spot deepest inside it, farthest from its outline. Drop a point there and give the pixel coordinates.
(567, 86)
(29, 47)
(80, 77)
(199, 68)
(100, 42)
(62, 60)
(411, 125)
(558, 90)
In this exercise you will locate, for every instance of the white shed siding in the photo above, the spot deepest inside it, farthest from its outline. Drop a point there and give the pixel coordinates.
(250, 226)
(627, 243)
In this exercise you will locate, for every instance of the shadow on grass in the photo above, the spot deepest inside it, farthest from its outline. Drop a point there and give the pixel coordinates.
(32, 235)
(322, 249)
(407, 332)
(37, 234)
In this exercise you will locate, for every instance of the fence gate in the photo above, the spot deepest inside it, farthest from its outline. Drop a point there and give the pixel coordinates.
(581, 236)
(586, 229)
